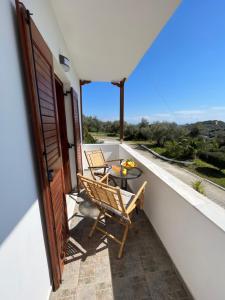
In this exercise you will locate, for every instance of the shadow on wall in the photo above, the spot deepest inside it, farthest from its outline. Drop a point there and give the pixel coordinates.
(19, 182)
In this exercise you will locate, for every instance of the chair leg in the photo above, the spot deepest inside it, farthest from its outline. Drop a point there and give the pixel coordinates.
(95, 224)
(123, 240)
(113, 180)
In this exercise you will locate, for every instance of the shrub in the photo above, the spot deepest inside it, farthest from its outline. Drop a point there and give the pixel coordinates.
(131, 132)
(222, 149)
(88, 138)
(217, 159)
(179, 150)
(197, 185)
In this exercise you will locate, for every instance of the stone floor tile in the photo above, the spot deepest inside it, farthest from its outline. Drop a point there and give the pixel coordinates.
(68, 298)
(70, 282)
(145, 270)
(131, 288)
(62, 293)
(162, 295)
(53, 296)
(103, 274)
(87, 270)
(103, 286)
(86, 280)
(86, 293)
(182, 293)
(105, 294)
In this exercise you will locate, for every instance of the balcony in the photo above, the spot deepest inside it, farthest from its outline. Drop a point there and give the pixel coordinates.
(175, 250)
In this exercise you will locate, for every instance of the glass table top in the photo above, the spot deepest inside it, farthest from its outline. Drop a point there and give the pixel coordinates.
(123, 173)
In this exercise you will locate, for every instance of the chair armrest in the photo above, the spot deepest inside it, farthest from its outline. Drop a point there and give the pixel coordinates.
(105, 179)
(140, 193)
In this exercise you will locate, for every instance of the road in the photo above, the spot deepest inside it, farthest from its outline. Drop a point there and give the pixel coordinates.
(211, 191)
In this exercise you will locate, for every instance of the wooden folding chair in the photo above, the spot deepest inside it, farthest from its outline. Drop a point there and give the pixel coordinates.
(114, 203)
(97, 163)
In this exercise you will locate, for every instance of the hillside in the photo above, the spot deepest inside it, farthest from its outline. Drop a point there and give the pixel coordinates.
(157, 130)
(210, 129)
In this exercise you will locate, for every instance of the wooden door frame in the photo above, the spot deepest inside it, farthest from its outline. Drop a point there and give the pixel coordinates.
(24, 25)
(64, 140)
(76, 133)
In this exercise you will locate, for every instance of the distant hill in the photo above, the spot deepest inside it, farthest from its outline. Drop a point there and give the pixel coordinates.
(144, 130)
(209, 129)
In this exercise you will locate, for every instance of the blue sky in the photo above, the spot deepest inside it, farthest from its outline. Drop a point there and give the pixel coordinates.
(182, 76)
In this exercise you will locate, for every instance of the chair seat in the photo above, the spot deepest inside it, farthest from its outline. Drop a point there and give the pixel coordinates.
(127, 197)
(101, 171)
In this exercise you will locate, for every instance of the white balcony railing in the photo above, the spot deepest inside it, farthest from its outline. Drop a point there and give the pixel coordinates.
(191, 227)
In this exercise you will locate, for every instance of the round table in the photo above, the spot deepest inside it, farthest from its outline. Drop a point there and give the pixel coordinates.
(132, 173)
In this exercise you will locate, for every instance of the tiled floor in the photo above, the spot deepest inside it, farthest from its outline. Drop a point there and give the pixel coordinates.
(93, 271)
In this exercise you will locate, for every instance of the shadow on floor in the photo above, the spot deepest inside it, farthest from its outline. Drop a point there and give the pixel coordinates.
(93, 271)
(145, 271)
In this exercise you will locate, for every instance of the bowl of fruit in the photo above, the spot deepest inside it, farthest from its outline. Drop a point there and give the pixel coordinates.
(129, 164)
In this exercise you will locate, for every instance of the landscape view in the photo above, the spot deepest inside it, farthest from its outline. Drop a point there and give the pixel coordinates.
(197, 147)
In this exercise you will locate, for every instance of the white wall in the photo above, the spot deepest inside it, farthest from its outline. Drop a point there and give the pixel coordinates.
(24, 270)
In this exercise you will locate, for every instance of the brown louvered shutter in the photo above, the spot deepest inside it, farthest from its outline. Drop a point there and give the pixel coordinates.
(76, 130)
(38, 63)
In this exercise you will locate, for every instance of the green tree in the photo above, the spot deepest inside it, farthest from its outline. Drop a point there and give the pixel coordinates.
(195, 131)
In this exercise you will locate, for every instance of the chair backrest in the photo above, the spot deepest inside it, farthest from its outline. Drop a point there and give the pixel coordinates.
(103, 195)
(95, 158)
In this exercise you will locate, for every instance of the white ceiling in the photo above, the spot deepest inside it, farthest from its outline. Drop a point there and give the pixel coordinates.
(107, 38)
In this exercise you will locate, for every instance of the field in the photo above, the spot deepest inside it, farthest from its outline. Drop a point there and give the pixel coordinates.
(208, 171)
(104, 136)
(201, 169)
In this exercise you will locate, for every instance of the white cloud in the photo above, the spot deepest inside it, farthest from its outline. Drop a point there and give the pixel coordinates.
(218, 108)
(184, 116)
(189, 112)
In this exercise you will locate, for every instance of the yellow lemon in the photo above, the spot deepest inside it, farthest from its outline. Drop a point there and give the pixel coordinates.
(124, 172)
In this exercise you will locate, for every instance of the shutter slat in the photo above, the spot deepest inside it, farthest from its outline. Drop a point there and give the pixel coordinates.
(45, 104)
(47, 127)
(47, 112)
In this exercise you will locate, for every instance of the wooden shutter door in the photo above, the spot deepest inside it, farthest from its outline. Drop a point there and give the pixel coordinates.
(38, 63)
(76, 130)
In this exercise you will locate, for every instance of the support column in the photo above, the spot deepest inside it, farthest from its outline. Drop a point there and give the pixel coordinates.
(120, 84)
(82, 82)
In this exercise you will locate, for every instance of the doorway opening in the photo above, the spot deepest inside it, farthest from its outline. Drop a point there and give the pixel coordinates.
(63, 134)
